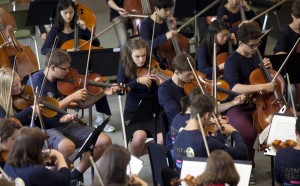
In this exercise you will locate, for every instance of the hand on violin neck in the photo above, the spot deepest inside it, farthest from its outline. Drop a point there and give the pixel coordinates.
(81, 24)
(66, 118)
(246, 6)
(37, 109)
(172, 21)
(267, 63)
(59, 158)
(122, 12)
(238, 100)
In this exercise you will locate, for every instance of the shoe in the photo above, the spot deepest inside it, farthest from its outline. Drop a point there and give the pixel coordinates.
(252, 179)
(109, 128)
(76, 183)
(99, 118)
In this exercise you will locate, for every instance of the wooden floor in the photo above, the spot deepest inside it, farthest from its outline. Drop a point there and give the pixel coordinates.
(109, 40)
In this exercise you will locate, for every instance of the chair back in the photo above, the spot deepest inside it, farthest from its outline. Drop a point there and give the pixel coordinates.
(160, 158)
(20, 17)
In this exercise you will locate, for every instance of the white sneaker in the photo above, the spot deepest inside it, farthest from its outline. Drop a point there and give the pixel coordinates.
(108, 128)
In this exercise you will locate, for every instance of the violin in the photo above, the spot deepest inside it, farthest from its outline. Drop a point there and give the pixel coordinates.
(156, 71)
(141, 7)
(51, 105)
(176, 45)
(10, 47)
(278, 144)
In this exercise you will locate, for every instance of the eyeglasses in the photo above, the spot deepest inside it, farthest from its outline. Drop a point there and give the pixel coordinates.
(65, 69)
(253, 46)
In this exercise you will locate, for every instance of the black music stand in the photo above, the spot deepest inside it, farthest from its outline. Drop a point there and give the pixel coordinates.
(89, 143)
(102, 61)
(41, 12)
(145, 117)
(291, 67)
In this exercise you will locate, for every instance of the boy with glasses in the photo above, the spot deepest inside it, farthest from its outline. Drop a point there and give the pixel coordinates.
(238, 68)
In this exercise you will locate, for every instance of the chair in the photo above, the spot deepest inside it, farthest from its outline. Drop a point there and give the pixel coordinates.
(160, 158)
(23, 31)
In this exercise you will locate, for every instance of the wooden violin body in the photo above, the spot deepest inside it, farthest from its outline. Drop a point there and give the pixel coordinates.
(26, 59)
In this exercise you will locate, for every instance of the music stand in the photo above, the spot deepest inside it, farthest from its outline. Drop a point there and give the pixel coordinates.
(89, 143)
(102, 61)
(291, 67)
(145, 117)
(41, 12)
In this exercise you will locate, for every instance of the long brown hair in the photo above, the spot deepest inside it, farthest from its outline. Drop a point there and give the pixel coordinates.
(27, 147)
(219, 169)
(126, 58)
(113, 165)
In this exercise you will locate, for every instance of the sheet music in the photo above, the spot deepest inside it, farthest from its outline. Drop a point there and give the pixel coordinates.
(195, 168)
(136, 166)
(282, 128)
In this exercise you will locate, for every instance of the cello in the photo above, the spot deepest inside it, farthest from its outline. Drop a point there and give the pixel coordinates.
(142, 7)
(10, 47)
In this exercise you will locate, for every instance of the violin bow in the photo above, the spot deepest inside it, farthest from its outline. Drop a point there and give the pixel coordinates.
(197, 15)
(11, 83)
(96, 171)
(203, 92)
(214, 73)
(97, 35)
(88, 60)
(122, 121)
(151, 46)
(287, 57)
(203, 134)
(291, 95)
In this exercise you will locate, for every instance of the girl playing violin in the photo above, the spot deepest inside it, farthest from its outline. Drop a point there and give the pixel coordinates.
(112, 168)
(134, 56)
(5, 83)
(64, 134)
(190, 143)
(219, 170)
(8, 132)
(287, 166)
(64, 28)
(25, 161)
(218, 31)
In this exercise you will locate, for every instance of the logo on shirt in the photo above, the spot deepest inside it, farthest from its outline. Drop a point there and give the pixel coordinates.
(189, 152)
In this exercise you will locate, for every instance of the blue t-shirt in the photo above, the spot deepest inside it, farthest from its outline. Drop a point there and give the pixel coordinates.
(286, 40)
(178, 124)
(287, 166)
(233, 17)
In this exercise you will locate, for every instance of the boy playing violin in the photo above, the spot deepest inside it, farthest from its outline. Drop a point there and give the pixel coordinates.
(190, 142)
(64, 134)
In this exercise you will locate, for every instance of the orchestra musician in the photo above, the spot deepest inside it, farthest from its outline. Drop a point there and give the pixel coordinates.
(118, 12)
(238, 68)
(287, 166)
(161, 32)
(135, 56)
(218, 32)
(190, 142)
(287, 38)
(8, 132)
(64, 28)
(64, 134)
(6, 105)
(112, 168)
(219, 170)
(26, 161)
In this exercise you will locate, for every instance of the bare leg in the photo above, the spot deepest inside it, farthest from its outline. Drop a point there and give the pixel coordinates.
(66, 147)
(137, 146)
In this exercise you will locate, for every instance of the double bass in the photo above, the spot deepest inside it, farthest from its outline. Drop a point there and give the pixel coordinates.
(10, 47)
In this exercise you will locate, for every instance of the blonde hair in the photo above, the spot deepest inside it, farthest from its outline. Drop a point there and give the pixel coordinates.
(5, 83)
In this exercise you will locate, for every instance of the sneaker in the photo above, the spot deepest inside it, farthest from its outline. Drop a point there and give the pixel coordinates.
(252, 179)
(76, 183)
(108, 128)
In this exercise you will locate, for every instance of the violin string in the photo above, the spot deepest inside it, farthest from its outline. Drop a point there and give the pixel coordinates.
(11, 84)
(88, 59)
(214, 81)
(203, 134)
